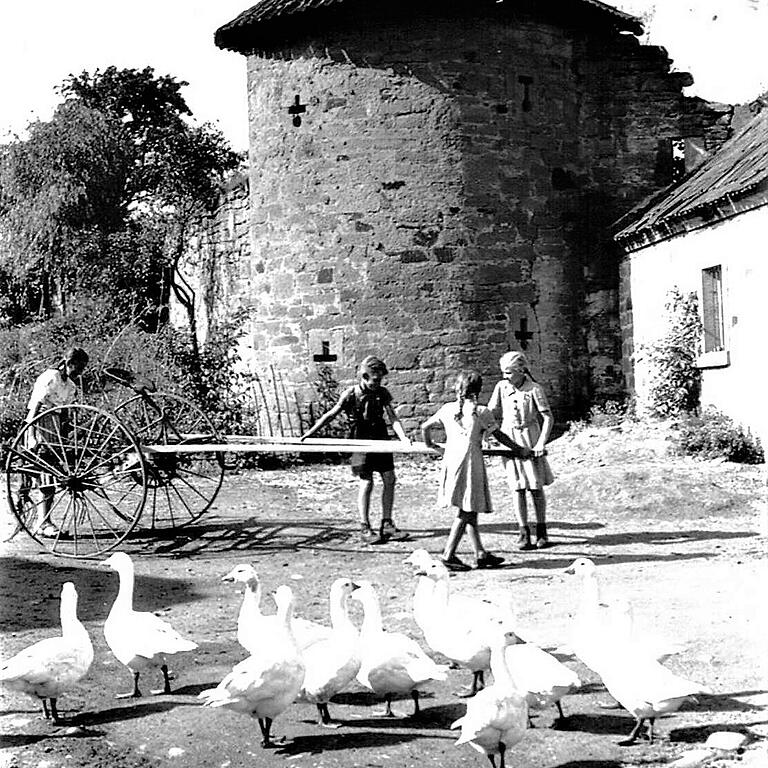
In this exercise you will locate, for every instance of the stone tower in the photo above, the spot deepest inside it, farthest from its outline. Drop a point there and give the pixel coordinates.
(435, 182)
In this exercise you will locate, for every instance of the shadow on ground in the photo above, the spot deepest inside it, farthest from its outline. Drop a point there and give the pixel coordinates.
(41, 582)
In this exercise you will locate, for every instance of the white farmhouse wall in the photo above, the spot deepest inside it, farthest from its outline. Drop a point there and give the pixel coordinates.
(740, 245)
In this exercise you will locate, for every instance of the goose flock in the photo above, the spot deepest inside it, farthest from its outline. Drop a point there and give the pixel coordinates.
(292, 659)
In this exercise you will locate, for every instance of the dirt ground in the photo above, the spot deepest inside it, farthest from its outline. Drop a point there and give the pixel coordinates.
(684, 540)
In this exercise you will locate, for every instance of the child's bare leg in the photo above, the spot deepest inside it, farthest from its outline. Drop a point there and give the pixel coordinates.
(454, 537)
(470, 522)
(520, 504)
(540, 507)
(364, 489)
(387, 494)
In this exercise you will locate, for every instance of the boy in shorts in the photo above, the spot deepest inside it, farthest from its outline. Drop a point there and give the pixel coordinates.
(366, 404)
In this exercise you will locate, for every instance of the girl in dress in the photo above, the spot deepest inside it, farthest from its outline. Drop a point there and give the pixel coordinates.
(463, 479)
(526, 418)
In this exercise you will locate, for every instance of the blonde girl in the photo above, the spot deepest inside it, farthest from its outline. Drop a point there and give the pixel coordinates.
(521, 404)
(463, 478)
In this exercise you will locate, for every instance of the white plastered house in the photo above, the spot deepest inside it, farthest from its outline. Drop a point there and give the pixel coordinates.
(709, 234)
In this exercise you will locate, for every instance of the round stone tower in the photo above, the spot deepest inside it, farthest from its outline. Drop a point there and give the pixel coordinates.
(434, 182)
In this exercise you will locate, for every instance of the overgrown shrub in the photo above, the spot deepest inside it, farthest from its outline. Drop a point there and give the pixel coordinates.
(675, 384)
(713, 435)
(611, 413)
(214, 381)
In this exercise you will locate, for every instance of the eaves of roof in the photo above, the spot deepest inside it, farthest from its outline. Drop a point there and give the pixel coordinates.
(252, 29)
(732, 181)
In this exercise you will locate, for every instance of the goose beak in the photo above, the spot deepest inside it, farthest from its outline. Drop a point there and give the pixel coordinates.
(569, 570)
(354, 586)
(420, 572)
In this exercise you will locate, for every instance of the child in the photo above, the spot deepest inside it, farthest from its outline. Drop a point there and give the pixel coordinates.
(53, 387)
(527, 419)
(463, 480)
(366, 403)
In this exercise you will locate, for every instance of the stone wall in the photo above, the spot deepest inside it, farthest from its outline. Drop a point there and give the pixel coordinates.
(427, 189)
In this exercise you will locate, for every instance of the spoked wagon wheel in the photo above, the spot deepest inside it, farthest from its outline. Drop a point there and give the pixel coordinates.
(76, 480)
(181, 485)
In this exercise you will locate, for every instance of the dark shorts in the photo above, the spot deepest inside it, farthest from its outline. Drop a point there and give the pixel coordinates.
(365, 464)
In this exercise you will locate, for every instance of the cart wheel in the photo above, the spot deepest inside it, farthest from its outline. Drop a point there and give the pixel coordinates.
(76, 480)
(181, 485)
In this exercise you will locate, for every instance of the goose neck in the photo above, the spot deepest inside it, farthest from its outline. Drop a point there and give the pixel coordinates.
(422, 598)
(124, 598)
(499, 667)
(70, 624)
(371, 615)
(340, 613)
(252, 595)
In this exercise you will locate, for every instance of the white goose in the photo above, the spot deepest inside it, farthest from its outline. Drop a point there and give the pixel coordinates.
(52, 666)
(452, 632)
(469, 605)
(252, 623)
(594, 628)
(391, 662)
(599, 625)
(332, 662)
(628, 669)
(139, 639)
(250, 616)
(268, 681)
(497, 717)
(645, 688)
(540, 677)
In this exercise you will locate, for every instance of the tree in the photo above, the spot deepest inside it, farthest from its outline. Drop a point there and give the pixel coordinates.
(61, 195)
(180, 166)
(99, 199)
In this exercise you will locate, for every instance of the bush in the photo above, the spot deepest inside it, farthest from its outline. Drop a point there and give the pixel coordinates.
(713, 435)
(214, 382)
(611, 413)
(675, 384)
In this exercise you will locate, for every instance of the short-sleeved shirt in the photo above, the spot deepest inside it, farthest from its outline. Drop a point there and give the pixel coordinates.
(50, 390)
(365, 409)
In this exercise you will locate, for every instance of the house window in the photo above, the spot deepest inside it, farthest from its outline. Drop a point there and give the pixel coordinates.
(712, 308)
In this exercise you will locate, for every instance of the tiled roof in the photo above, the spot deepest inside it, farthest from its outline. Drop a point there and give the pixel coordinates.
(230, 35)
(739, 170)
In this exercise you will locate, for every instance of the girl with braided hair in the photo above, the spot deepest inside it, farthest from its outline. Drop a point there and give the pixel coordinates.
(463, 478)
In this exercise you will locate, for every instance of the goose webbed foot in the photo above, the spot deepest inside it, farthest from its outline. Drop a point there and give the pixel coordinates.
(634, 734)
(478, 683)
(135, 693)
(324, 717)
(560, 722)
(416, 707)
(265, 724)
(166, 689)
(387, 708)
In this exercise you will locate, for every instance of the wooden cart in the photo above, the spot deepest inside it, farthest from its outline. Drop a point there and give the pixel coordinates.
(80, 479)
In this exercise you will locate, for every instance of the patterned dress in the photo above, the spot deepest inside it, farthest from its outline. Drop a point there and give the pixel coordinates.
(521, 409)
(463, 478)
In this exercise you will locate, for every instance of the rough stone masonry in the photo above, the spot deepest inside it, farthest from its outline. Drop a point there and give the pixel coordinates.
(437, 185)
